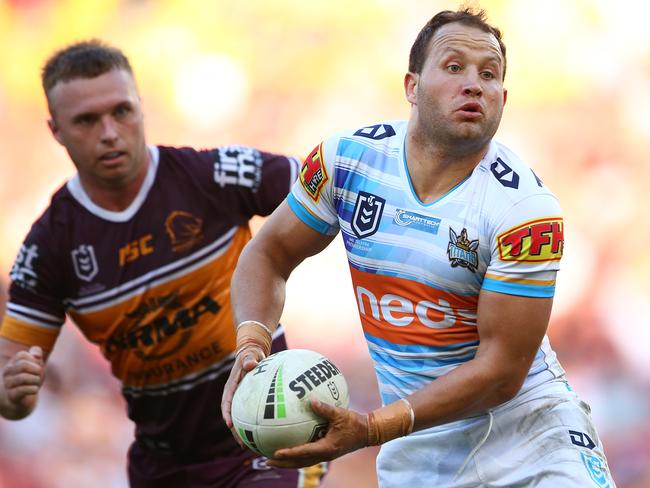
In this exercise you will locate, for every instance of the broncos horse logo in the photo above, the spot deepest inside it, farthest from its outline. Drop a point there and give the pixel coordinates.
(184, 230)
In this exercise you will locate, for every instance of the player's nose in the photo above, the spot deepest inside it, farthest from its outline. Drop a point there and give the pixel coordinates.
(472, 83)
(109, 131)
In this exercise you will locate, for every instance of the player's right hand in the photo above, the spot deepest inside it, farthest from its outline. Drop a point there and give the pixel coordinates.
(22, 376)
(245, 361)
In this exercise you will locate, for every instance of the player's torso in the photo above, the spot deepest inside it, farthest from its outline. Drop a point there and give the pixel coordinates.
(151, 286)
(417, 269)
(403, 252)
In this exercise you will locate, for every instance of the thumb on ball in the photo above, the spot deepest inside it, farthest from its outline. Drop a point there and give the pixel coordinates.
(321, 408)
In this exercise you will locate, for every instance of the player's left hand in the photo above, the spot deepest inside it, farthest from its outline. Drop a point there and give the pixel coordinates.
(246, 361)
(347, 432)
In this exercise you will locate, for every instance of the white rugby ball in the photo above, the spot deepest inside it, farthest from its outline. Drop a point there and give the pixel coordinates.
(270, 409)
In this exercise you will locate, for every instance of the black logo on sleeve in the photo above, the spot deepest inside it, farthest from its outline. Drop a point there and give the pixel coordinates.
(581, 439)
(367, 214)
(376, 132)
(505, 174)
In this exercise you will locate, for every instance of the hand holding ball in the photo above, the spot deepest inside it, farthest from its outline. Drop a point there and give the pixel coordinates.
(271, 410)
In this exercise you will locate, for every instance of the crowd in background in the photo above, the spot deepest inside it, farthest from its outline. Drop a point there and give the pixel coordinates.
(281, 76)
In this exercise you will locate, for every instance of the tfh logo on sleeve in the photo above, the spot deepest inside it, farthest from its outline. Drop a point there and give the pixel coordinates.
(539, 240)
(313, 174)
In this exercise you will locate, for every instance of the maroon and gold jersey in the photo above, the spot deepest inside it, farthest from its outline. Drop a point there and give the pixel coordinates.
(151, 284)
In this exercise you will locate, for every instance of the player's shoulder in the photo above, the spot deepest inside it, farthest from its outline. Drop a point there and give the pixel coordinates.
(228, 157)
(388, 130)
(171, 155)
(511, 179)
(50, 226)
(384, 136)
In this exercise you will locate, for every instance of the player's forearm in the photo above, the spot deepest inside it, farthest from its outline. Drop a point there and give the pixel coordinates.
(470, 389)
(257, 288)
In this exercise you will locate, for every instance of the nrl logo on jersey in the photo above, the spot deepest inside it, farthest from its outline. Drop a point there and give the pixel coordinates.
(462, 251)
(85, 262)
(367, 214)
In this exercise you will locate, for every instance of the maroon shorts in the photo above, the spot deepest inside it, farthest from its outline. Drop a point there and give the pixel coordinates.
(148, 469)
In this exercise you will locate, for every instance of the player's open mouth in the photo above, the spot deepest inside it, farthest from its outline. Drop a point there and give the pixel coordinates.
(472, 107)
(471, 110)
(111, 156)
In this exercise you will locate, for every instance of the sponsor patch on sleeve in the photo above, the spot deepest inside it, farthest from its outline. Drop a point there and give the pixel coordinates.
(534, 241)
(313, 174)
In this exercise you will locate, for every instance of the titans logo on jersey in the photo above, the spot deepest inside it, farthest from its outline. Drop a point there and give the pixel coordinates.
(150, 284)
(462, 251)
(418, 269)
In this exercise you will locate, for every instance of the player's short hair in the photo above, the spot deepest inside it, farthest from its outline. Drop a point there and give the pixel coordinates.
(86, 59)
(465, 16)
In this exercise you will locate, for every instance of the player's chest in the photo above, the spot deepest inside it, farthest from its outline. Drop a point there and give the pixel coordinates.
(386, 229)
(107, 254)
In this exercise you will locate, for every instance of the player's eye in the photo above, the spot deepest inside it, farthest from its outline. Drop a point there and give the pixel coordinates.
(86, 119)
(488, 75)
(453, 68)
(122, 110)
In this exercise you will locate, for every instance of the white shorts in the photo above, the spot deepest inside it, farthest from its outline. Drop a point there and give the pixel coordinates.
(542, 438)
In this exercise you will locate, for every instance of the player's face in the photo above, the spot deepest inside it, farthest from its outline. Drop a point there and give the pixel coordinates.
(100, 123)
(458, 97)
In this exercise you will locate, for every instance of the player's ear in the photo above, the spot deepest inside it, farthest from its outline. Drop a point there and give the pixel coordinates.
(54, 129)
(410, 86)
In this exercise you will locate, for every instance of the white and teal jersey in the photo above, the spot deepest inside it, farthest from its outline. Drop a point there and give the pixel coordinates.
(417, 269)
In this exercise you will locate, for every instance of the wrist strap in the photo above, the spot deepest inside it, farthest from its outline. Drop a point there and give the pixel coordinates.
(390, 422)
(251, 333)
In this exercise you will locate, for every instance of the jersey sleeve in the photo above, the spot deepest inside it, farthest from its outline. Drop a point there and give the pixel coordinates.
(35, 310)
(252, 182)
(312, 195)
(526, 248)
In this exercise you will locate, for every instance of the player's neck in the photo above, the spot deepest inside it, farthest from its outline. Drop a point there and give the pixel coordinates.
(116, 197)
(435, 169)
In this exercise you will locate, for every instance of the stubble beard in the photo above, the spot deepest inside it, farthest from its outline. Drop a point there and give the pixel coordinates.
(456, 138)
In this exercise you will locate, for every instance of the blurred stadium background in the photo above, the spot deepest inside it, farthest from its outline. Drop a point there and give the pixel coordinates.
(283, 74)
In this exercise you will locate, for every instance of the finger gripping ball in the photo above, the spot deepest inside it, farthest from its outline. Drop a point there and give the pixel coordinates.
(270, 409)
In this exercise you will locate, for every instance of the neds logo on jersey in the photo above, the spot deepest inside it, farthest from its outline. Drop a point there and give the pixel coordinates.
(535, 241)
(313, 174)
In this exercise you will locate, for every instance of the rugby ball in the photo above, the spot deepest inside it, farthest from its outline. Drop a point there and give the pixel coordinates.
(270, 408)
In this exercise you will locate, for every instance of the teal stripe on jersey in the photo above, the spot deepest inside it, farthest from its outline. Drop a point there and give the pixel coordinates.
(419, 365)
(417, 348)
(392, 380)
(316, 224)
(418, 278)
(368, 154)
(519, 289)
